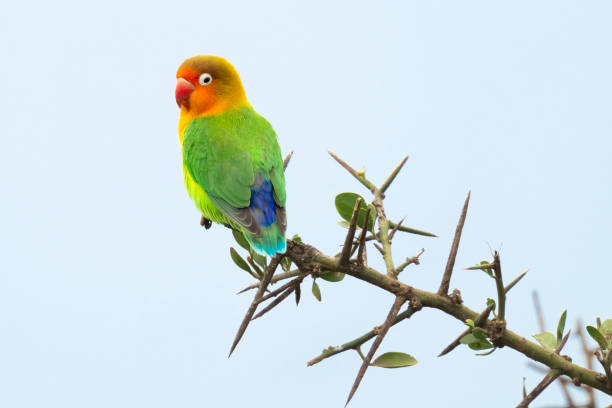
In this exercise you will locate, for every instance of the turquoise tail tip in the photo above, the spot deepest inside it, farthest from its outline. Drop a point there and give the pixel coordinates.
(270, 250)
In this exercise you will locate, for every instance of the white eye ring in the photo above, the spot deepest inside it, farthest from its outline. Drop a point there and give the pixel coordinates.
(205, 79)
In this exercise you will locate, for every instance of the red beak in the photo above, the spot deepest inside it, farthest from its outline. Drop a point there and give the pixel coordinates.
(182, 92)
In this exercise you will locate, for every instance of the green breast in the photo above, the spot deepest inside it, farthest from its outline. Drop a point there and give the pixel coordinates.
(201, 200)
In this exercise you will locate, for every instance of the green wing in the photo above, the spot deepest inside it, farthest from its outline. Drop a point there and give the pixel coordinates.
(225, 154)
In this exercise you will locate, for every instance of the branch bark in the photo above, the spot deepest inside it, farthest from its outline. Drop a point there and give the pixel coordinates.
(309, 259)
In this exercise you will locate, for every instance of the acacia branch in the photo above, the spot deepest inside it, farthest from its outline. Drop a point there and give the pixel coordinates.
(309, 259)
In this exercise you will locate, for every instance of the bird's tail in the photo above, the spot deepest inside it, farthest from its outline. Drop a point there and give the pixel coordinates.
(270, 242)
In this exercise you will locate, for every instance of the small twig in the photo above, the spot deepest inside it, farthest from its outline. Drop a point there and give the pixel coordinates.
(499, 284)
(395, 228)
(567, 394)
(538, 310)
(355, 343)
(360, 176)
(514, 282)
(588, 356)
(605, 363)
(275, 302)
(350, 235)
(287, 159)
(268, 273)
(383, 233)
(548, 379)
(411, 230)
(561, 379)
(256, 268)
(562, 343)
(382, 251)
(391, 177)
(362, 256)
(382, 331)
(444, 285)
(482, 318)
(281, 289)
(413, 260)
(275, 278)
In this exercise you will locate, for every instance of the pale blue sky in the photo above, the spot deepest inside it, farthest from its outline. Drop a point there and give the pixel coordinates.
(113, 296)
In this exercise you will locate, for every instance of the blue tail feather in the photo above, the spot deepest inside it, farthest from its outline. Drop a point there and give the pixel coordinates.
(263, 208)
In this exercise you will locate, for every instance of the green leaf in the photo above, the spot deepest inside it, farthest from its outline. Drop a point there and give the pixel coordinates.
(372, 218)
(258, 270)
(546, 339)
(469, 322)
(286, 263)
(259, 259)
(468, 338)
(597, 336)
(491, 302)
(315, 290)
(606, 330)
(240, 239)
(344, 224)
(561, 326)
(345, 202)
(487, 353)
(480, 334)
(487, 271)
(474, 342)
(296, 238)
(241, 263)
(480, 345)
(332, 276)
(394, 359)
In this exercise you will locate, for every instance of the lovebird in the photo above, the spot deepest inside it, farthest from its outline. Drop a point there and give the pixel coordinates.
(232, 163)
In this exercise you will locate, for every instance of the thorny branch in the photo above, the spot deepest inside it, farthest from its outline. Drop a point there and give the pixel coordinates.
(310, 261)
(444, 285)
(550, 377)
(309, 258)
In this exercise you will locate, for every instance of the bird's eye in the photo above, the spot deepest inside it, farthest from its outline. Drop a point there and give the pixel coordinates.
(205, 79)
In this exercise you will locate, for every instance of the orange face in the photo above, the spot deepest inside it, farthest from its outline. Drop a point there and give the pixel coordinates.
(208, 85)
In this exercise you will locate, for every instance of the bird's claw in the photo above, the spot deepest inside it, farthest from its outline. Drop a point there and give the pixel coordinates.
(205, 222)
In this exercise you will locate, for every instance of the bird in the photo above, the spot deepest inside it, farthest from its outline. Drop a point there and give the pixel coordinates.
(232, 163)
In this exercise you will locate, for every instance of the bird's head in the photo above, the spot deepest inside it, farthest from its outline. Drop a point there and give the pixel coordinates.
(208, 85)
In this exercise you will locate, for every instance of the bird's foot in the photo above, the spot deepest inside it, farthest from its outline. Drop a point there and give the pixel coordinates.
(205, 222)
